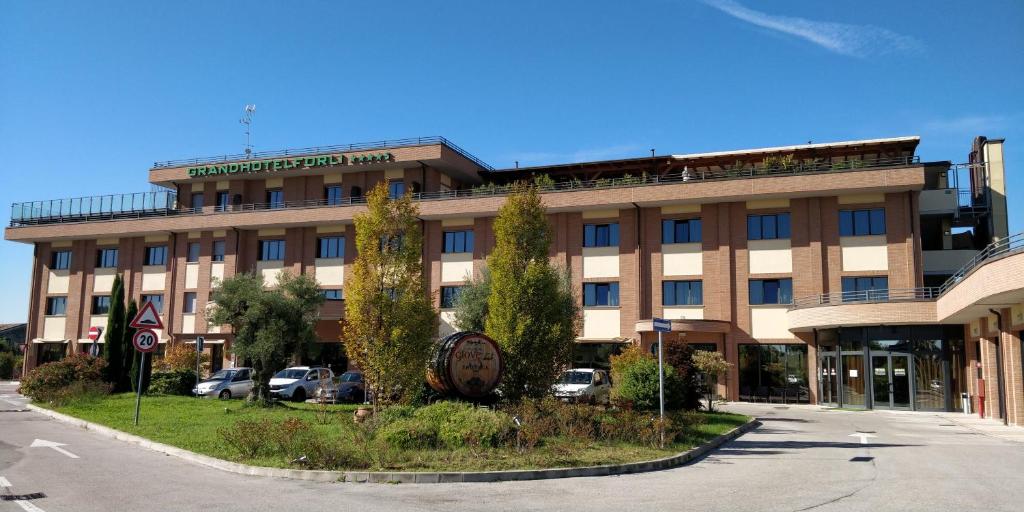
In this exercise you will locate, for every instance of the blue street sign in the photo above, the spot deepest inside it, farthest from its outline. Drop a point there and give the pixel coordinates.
(662, 325)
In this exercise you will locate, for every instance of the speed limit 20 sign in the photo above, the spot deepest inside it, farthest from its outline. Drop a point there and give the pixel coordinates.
(145, 340)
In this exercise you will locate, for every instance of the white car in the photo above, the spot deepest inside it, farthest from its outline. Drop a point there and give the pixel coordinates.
(226, 383)
(299, 382)
(583, 385)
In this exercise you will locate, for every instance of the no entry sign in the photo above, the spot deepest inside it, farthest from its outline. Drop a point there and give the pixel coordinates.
(95, 332)
(145, 340)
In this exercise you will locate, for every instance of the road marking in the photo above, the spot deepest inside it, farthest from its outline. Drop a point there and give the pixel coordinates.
(39, 443)
(25, 505)
(863, 437)
(4, 482)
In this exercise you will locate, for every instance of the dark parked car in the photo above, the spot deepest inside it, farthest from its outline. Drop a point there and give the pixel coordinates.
(348, 387)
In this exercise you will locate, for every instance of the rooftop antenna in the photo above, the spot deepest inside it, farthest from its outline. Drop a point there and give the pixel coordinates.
(247, 121)
(652, 152)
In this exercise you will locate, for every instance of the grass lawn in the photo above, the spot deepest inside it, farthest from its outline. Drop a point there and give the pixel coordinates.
(192, 424)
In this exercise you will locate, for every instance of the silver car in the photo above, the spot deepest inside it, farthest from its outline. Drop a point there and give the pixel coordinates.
(227, 383)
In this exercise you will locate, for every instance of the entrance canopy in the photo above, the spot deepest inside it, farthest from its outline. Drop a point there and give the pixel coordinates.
(686, 325)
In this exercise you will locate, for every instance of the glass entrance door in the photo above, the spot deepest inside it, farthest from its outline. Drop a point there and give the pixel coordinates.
(890, 380)
(829, 388)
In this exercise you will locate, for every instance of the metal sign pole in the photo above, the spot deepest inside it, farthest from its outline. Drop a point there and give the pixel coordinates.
(138, 390)
(199, 357)
(661, 388)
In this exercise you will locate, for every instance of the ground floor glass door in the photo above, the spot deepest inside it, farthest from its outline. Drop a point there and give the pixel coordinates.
(829, 388)
(890, 380)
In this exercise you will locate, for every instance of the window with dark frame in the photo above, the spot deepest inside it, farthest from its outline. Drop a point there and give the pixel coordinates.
(862, 222)
(396, 189)
(192, 256)
(60, 260)
(156, 255)
(275, 198)
(157, 299)
(56, 306)
(189, 305)
(681, 231)
(198, 201)
(218, 251)
(331, 247)
(458, 241)
(682, 293)
(223, 200)
(865, 288)
(333, 194)
(100, 305)
(334, 294)
(271, 250)
(601, 235)
(450, 295)
(771, 291)
(106, 258)
(600, 294)
(768, 227)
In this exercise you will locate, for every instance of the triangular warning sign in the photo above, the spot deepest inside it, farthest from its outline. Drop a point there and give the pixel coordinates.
(147, 318)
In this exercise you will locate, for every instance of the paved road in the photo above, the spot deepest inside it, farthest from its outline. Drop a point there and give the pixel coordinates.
(802, 458)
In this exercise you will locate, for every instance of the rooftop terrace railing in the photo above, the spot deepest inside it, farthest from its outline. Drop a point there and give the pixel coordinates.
(94, 208)
(998, 249)
(358, 146)
(58, 211)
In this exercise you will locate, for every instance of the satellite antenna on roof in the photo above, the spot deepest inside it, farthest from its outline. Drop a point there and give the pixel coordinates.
(247, 121)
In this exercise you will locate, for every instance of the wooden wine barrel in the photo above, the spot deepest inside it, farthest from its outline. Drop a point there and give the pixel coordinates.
(465, 365)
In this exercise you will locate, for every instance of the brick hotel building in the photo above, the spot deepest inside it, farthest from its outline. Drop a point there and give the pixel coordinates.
(848, 273)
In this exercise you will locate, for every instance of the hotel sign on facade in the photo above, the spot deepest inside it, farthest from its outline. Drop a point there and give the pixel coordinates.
(282, 164)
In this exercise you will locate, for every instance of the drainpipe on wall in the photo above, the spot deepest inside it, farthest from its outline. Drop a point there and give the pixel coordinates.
(999, 366)
(640, 266)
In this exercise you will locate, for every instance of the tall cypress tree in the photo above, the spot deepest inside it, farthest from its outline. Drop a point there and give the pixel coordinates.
(113, 348)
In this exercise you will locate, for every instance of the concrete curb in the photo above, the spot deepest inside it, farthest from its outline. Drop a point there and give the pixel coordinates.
(412, 477)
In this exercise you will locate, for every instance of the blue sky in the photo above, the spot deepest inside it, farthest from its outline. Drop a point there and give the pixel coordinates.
(92, 95)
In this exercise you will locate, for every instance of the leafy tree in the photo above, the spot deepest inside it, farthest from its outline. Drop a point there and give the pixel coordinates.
(532, 312)
(471, 304)
(711, 364)
(271, 325)
(390, 322)
(113, 348)
(680, 356)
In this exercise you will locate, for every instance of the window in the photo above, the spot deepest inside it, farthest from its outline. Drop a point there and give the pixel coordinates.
(332, 194)
(680, 231)
(771, 291)
(223, 200)
(449, 295)
(682, 293)
(768, 227)
(156, 255)
(190, 303)
(106, 258)
(600, 294)
(773, 372)
(275, 198)
(865, 288)
(60, 260)
(331, 247)
(396, 189)
(56, 306)
(218, 250)
(271, 250)
(100, 304)
(393, 243)
(331, 294)
(601, 235)
(157, 300)
(193, 252)
(458, 241)
(862, 222)
(197, 201)
(357, 192)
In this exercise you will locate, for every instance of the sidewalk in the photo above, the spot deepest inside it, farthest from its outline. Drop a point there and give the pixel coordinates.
(986, 426)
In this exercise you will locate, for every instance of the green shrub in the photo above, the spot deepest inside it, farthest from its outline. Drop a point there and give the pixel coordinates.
(393, 413)
(638, 384)
(7, 362)
(536, 421)
(476, 428)
(437, 413)
(409, 433)
(45, 383)
(249, 437)
(173, 382)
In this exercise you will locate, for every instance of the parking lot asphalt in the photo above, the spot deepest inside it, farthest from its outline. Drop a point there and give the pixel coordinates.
(800, 458)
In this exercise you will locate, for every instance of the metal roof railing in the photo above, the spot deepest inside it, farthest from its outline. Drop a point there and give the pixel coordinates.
(313, 150)
(998, 249)
(94, 208)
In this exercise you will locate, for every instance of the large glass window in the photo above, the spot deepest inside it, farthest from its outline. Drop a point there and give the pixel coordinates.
(60, 260)
(190, 301)
(680, 231)
(682, 293)
(768, 227)
(156, 299)
(56, 306)
(595, 355)
(218, 250)
(601, 235)
(601, 294)
(773, 373)
(275, 198)
(449, 296)
(862, 222)
(865, 288)
(332, 194)
(106, 258)
(771, 291)
(396, 189)
(458, 241)
(223, 200)
(100, 304)
(197, 201)
(333, 294)
(156, 255)
(331, 247)
(193, 253)
(271, 250)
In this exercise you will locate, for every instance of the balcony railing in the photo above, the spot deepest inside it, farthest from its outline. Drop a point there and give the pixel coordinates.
(94, 208)
(56, 209)
(313, 150)
(998, 249)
